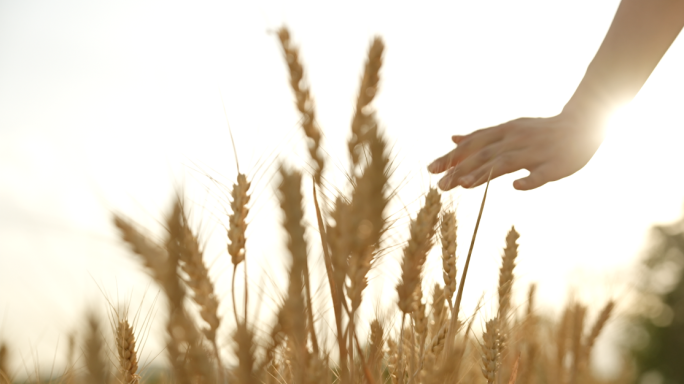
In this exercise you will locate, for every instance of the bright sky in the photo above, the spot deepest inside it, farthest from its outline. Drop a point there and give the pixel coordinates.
(108, 106)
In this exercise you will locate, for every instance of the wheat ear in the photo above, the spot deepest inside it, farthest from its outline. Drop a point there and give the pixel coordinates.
(153, 256)
(162, 267)
(291, 205)
(237, 227)
(490, 351)
(366, 216)
(366, 220)
(125, 347)
(304, 102)
(375, 352)
(192, 263)
(447, 231)
(420, 323)
(439, 316)
(415, 252)
(305, 105)
(506, 272)
(506, 276)
(185, 348)
(364, 119)
(336, 282)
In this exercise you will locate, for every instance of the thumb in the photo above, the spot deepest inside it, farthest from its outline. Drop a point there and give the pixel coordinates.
(537, 177)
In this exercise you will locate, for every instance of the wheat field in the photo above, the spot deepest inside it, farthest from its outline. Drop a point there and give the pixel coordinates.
(434, 342)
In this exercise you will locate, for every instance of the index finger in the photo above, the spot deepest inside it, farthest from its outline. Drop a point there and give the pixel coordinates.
(465, 147)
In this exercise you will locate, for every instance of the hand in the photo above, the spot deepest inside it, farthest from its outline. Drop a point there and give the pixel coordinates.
(550, 148)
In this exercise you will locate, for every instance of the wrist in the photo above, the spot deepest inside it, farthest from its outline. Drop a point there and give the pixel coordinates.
(589, 107)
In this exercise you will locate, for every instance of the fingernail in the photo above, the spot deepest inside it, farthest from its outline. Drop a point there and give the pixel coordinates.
(465, 181)
(432, 167)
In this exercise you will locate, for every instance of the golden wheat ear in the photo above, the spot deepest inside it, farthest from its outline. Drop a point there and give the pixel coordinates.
(490, 351)
(422, 229)
(303, 101)
(126, 352)
(364, 119)
(447, 231)
(237, 228)
(290, 195)
(197, 278)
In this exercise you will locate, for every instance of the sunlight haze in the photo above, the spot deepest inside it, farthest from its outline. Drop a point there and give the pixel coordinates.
(113, 106)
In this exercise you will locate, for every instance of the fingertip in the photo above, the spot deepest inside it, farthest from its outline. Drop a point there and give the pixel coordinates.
(457, 138)
(446, 183)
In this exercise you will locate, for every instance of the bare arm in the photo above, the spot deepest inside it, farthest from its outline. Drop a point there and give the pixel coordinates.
(556, 147)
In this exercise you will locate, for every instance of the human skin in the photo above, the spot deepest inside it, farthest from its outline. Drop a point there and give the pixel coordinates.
(556, 147)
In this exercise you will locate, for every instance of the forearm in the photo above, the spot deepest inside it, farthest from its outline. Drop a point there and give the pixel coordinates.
(639, 36)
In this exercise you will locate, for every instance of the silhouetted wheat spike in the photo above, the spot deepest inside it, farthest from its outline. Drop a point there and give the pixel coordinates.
(423, 229)
(294, 314)
(490, 351)
(506, 276)
(125, 347)
(304, 102)
(185, 342)
(192, 263)
(448, 237)
(364, 119)
(237, 227)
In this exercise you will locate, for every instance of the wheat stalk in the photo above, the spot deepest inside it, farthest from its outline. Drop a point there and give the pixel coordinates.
(245, 352)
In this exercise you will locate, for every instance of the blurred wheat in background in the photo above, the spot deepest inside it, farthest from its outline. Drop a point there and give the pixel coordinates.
(427, 339)
(433, 341)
